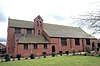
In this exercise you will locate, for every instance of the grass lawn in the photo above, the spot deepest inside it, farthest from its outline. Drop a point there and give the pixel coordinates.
(57, 61)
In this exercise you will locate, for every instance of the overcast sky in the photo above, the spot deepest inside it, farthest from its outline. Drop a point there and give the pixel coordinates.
(52, 11)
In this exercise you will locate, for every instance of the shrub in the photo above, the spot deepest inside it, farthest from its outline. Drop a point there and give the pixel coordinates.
(18, 56)
(97, 49)
(60, 52)
(7, 57)
(53, 54)
(85, 54)
(44, 54)
(11, 56)
(32, 56)
(66, 52)
(26, 58)
(73, 52)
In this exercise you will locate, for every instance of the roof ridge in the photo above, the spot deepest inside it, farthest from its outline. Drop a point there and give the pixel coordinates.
(19, 20)
(44, 23)
(62, 25)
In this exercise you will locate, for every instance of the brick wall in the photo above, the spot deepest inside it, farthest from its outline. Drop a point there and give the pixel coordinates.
(10, 40)
(31, 50)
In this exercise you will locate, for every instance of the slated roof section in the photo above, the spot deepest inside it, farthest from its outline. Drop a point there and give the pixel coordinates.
(31, 39)
(52, 29)
(65, 31)
(20, 23)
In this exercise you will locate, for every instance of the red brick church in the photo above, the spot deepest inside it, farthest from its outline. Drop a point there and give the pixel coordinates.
(27, 37)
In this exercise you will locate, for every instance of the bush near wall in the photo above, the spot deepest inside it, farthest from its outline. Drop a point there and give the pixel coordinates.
(60, 52)
(18, 56)
(44, 54)
(53, 54)
(32, 56)
(7, 57)
(66, 52)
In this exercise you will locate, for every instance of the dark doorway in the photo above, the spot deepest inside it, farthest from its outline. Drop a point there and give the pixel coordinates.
(53, 48)
(93, 46)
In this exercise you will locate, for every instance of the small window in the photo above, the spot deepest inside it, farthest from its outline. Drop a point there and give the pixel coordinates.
(63, 41)
(40, 23)
(35, 46)
(77, 41)
(38, 32)
(45, 46)
(37, 23)
(26, 46)
(17, 30)
(29, 31)
(88, 41)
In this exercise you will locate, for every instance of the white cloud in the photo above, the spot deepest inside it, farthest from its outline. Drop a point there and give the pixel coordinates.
(3, 30)
(26, 9)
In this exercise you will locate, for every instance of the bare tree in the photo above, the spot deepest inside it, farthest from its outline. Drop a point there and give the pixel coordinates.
(91, 20)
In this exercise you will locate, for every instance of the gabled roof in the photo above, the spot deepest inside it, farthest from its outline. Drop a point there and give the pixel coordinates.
(65, 31)
(53, 30)
(30, 39)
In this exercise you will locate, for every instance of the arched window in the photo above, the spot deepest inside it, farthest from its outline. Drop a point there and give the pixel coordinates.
(38, 32)
(40, 23)
(37, 23)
